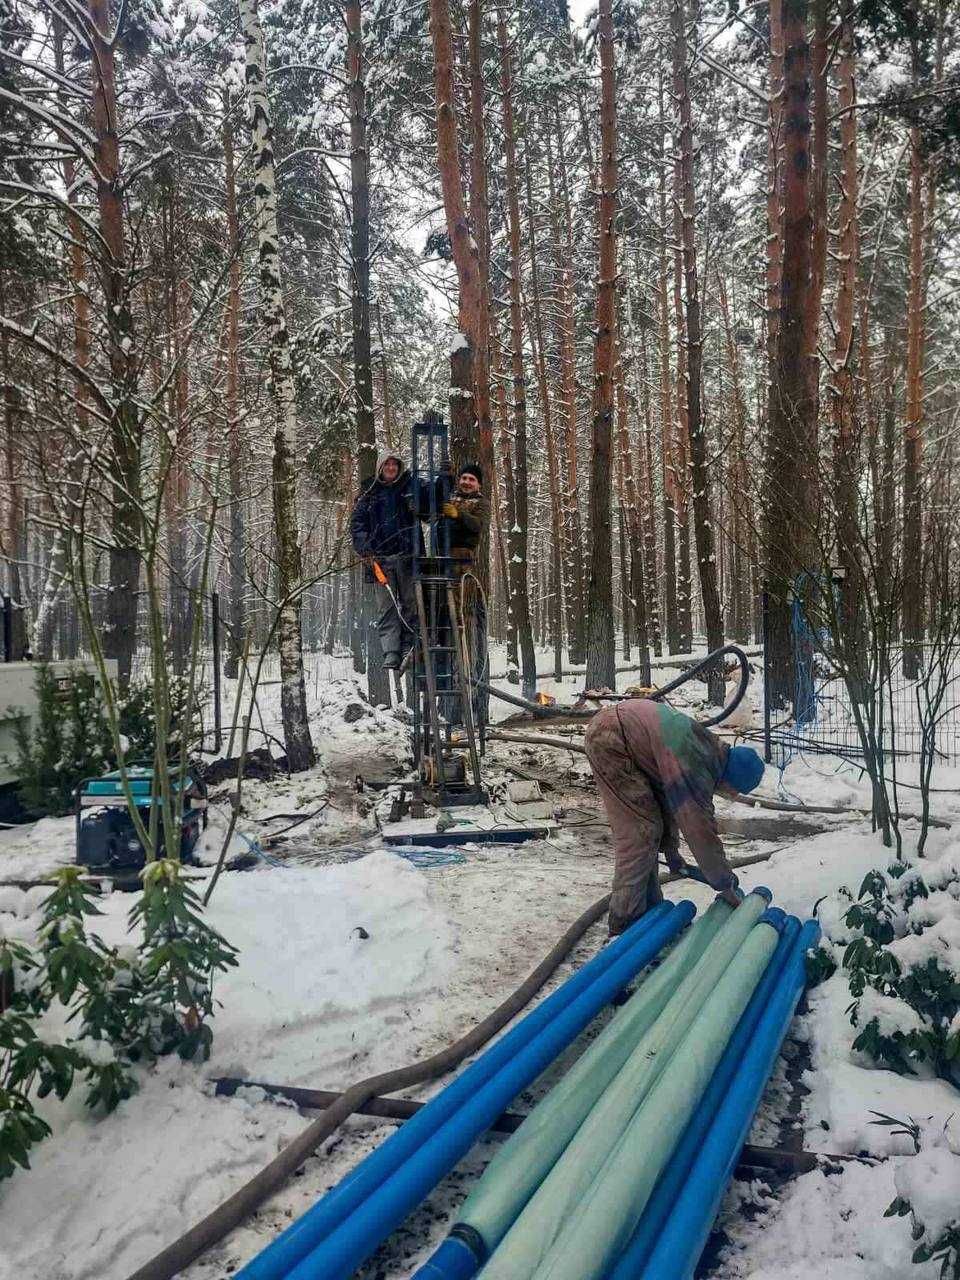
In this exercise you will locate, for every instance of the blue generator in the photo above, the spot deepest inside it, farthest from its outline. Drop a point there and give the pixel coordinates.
(106, 835)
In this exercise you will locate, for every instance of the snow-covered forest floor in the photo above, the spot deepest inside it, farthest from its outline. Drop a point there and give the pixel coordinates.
(352, 960)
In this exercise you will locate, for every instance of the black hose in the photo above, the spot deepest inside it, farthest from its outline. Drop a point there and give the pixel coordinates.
(543, 713)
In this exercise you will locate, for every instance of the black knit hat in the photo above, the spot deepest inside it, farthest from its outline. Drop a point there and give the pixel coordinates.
(472, 469)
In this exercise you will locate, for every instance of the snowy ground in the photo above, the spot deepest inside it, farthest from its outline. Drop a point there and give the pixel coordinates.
(315, 1003)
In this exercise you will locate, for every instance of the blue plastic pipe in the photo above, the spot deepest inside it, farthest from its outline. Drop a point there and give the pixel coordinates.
(348, 1223)
(681, 1241)
(672, 1179)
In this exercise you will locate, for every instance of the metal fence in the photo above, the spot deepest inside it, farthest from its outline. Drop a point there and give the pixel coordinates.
(823, 719)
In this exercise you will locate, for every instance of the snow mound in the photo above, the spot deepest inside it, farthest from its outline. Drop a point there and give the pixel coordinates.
(930, 1180)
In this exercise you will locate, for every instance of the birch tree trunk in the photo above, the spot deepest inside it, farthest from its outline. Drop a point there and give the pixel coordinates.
(518, 539)
(293, 697)
(601, 659)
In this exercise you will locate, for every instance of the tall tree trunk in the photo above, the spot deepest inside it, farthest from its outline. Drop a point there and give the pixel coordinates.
(293, 696)
(601, 660)
(667, 433)
(237, 611)
(912, 572)
(518, 531)
(80, 302)
(681, 438)
(507, 511)
(480, 219)
(378, 681)
(120, 636)
(774, 195)
(464, 427)
(699, 472)
(546, 405)
(820, 224)
(651, 576)
(566, 334)
(788, 516)
(846, 456)
(739, 483)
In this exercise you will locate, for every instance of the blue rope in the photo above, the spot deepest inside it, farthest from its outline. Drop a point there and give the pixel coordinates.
(253, 844)
(426, 858)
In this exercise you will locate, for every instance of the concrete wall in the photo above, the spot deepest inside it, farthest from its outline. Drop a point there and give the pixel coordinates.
(18, 701)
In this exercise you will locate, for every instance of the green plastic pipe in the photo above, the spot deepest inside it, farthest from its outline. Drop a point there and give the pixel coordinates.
(521, 1164)
(561, 1192)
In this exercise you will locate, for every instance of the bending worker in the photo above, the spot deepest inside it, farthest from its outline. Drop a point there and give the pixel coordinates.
(381, 530)
(657, 772)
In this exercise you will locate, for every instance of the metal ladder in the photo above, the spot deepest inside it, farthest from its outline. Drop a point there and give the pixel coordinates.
(441, 668)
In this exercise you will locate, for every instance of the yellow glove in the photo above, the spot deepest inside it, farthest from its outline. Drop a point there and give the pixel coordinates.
(451, 511)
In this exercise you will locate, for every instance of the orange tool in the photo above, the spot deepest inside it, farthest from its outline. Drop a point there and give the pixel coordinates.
(378, 573)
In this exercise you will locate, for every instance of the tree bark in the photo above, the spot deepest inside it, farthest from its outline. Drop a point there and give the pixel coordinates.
(238, 621)
(293, 697)
(699, 472)
(546, 404)
(912, 572)
(566, 334)
(820, 220)
(378, 681)
(464, 427)
(480, 219)
(601, 661)
(120, 636)
(846, 454)
(789, 518)
(518, 539)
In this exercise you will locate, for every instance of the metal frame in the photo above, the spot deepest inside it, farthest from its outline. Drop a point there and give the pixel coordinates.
(434, 574)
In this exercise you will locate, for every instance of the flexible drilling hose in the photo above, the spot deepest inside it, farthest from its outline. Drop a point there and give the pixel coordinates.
(222, 1220)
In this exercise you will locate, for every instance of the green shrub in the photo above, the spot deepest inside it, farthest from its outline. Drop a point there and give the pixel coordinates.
(71, 737)
(129, 1005)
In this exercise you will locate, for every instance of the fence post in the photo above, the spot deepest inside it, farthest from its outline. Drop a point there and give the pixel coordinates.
(215, 637)
(7, 629)
(764, 623)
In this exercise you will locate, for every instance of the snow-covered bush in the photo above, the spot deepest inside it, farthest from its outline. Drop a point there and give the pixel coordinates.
(928, 1189)
(130, 1005)
(903, 967)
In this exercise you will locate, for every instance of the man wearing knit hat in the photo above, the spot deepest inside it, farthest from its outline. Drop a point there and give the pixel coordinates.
(465, 514)
(657, 772)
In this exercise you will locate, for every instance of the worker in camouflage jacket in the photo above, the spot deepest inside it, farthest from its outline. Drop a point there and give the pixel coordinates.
(657, 772)
(465, 514)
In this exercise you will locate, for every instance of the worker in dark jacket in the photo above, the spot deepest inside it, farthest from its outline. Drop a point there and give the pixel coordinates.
(657, 772)
(382, 529)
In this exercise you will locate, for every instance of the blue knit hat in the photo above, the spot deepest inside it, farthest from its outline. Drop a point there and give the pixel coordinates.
(743, 769)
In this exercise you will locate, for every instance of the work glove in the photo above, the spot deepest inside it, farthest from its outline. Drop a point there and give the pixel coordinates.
(451, 511)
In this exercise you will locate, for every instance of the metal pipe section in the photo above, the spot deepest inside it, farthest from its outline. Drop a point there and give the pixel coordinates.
(671, 1183)
(343, 1228)
(682, 1239)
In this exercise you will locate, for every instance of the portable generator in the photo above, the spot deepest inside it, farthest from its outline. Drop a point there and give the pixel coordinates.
(106, 835)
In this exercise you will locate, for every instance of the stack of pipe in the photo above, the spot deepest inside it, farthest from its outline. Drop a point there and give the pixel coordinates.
(347, 1224)
(619, 1172)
